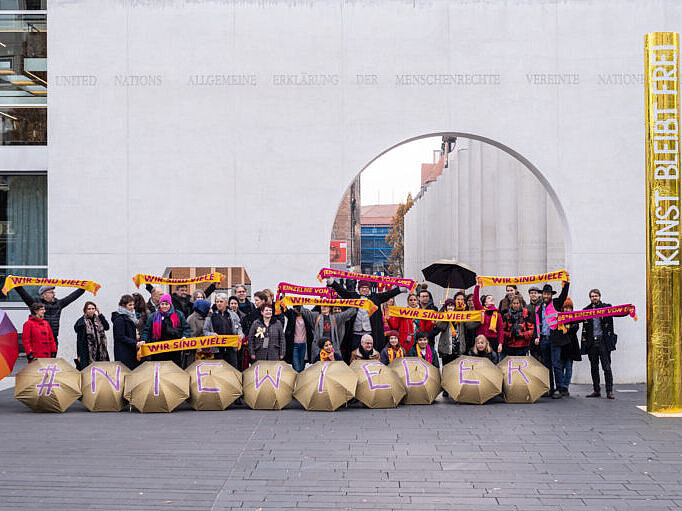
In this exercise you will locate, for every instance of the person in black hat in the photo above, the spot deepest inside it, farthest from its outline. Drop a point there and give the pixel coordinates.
(535, 294)
(53, 306)
(548, 337)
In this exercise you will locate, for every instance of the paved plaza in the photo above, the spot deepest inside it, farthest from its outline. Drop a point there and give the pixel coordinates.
(572, 453)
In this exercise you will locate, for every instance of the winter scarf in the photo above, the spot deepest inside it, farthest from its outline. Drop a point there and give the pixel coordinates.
(326, 357)
(493, 319)
(158, 321)
(97, 340)
(131, 315)
(394, 353)
(427, 354)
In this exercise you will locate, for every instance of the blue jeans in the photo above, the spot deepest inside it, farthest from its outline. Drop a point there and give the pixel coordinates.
(551, 358)
(568, 373)
(299, 356)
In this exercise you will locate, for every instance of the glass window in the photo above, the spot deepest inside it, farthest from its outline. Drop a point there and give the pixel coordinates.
(23, 228)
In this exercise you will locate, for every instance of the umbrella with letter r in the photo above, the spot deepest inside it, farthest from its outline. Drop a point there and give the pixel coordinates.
(9, 345)
(525, 379)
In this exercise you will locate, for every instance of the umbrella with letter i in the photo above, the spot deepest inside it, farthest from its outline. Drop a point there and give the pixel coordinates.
(449, 273)
(9, 345)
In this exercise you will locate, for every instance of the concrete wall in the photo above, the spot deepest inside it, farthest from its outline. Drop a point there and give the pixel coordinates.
(155, 162)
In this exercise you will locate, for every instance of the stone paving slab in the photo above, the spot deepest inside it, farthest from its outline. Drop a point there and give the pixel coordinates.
(566, 454)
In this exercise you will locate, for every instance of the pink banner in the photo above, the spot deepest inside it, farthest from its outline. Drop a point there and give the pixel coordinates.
(603, 312)
(327, 273)
(293, 289)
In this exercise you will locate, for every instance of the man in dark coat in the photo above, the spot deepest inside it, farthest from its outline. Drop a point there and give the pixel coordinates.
(534, 302)
(364, 323)
(53, 306)
(599, 341)
(246, 307)
(548, 337)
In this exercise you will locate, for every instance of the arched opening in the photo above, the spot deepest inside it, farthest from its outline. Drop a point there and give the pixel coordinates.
(481, 203)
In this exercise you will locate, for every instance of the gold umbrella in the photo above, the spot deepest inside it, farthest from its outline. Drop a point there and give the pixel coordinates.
(379, 386)
(472, 380)
(157, 386)
(48, 385)
(525, 379)
(324, 386)
(421, 379)
(213, 384)
(269, 385)
(103, 385)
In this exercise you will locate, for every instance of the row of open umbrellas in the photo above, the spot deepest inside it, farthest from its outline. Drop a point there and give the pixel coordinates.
(52, 385)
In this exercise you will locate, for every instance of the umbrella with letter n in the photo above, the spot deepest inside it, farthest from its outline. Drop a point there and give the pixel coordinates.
(450, 274)
(379, 386)
(213, 385)
(473, 380)
(103, 385)
(269, 385)
(421, 379)
(525, 379)
(9, 345)
(48, 385)
(157, 386)
(325, 386)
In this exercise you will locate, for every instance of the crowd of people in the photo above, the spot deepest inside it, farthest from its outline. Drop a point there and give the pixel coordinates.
(300, 335)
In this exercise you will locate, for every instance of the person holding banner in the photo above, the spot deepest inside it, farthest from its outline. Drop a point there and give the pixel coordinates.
(518, 329)
(327, 325)
(599, 341)
(223, 321)
(53, 305)
(164, 325)
(549, 338)
(406, 327)
(451, 336)
(492, 327)
(392, 350)
(423, 350)
(535, 301)
(124, 322)
(366, 350)
(91, 341)
(266, 337)
(570, 349)
(364, 323)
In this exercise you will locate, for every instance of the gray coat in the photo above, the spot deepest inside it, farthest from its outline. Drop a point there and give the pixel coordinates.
(196, 323)
(236, 324)
(276, 344)
(338, 328)
(445, 338)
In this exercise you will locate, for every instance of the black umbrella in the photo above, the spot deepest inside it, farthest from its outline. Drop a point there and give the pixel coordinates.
(449, 273)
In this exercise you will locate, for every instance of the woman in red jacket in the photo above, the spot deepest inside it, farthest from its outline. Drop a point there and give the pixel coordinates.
(37, 335)
(491, 326)
(518, 330)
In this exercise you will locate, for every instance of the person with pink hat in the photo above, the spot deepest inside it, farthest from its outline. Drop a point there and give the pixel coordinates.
(164, 325)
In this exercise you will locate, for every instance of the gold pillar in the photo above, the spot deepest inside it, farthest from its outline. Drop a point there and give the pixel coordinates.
(664, 342)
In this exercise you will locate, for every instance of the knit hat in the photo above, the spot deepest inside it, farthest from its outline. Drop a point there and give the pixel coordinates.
(166, 298)
(391, 333)
(364, 283)
(44, 288)
(202, 306)
(535, 288)
(568, 301)
(447, 302)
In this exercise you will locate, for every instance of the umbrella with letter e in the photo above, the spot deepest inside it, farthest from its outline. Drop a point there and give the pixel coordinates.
(269, 385)
(213, 384)
(379, 386)
(9, 345)
(421, 379)
(525, 379)
(103, 385)
(473, 380)
(325, 386)
(157, 386)
(48, 385)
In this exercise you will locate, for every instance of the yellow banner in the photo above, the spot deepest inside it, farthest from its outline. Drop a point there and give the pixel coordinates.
(664, 335)
(359, 303)
(140, 279)
(526, 279)
(12, 281)
(454, 316)
(189, 343)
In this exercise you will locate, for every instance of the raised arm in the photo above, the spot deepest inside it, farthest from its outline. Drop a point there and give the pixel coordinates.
(380, 298)
(559, 301)
(27, 298)
(210, 289)
(342, 291)
(71, 297)
(477, 300)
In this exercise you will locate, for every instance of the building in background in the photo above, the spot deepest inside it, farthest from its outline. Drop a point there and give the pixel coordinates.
(487, 210)
(345, 244)
(376, 222)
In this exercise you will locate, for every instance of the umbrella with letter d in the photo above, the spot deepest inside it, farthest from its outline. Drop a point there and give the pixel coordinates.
(324, 386)
(449, 274)
(213, 384)
(9, 345)
(157, 386)
(48, 385)
(472, 380)
(103, 384)
(525, 379)
(379, 386)
(269, 385)
(421, 379)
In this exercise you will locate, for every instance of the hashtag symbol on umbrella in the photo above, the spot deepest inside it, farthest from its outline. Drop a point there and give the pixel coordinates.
(45, 387)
